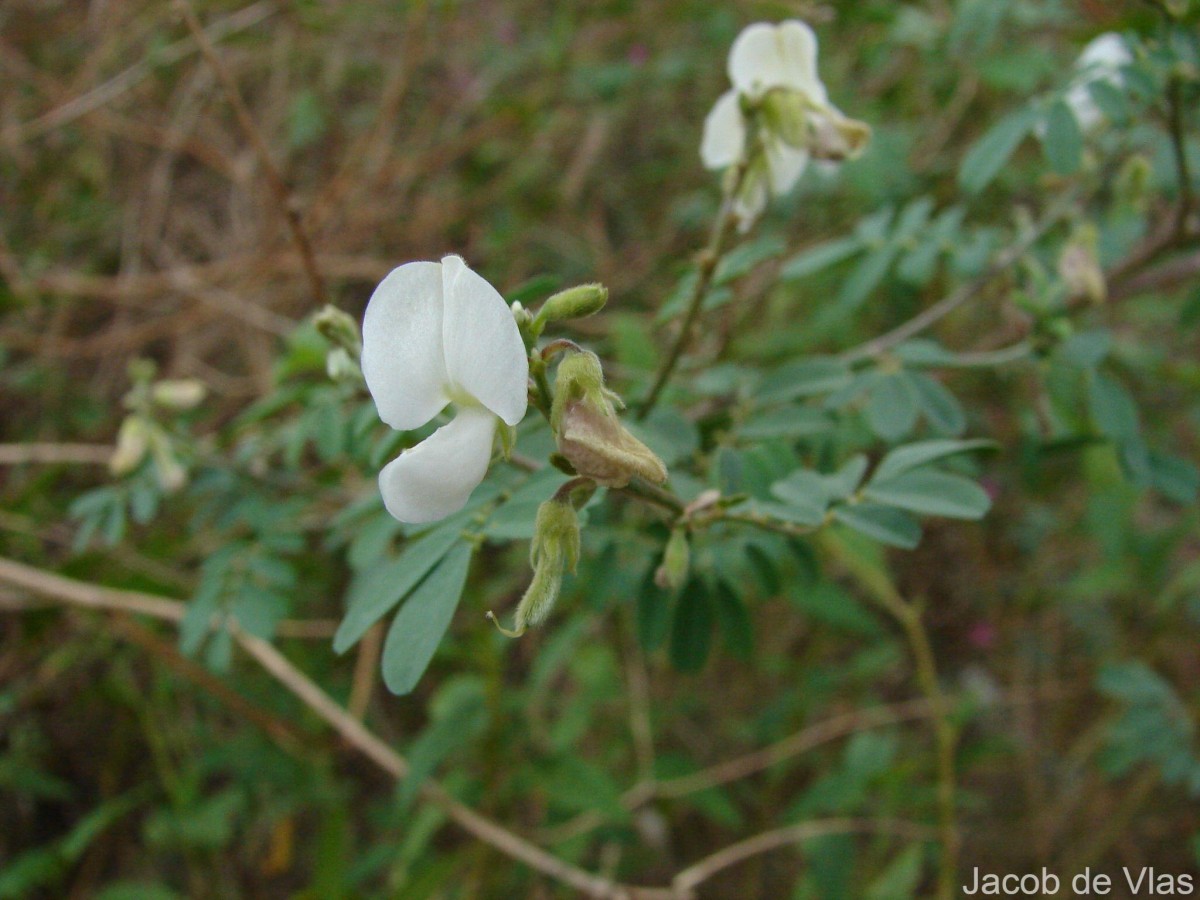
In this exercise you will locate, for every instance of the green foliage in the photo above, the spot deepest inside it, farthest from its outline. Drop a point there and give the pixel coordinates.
(417, 629)
(1154, 726)
(853, 352)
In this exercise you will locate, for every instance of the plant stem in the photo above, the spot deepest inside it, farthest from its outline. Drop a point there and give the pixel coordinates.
(274, 178)
(933, 314)
(544, 397)
(709, 257)
(1178, 148)
(907, 614)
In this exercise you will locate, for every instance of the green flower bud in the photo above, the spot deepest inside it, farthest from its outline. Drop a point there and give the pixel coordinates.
(133, 440)
(673, 571)
(587, 430)
(555, 548)
(785, 113)
(170, 471)
(1132, 185)
(340, 366)
(179, 394)
(1079, 266)
(573, 303)
(339, 329)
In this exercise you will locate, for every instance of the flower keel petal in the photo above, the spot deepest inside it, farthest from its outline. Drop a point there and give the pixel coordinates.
(434, 479)
(785, 165)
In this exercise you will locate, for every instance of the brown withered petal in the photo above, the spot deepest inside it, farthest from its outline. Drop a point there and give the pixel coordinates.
(600, 448)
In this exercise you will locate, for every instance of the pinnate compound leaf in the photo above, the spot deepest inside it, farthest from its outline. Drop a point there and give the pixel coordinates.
(1062, 141)
(921, 453)
(377, 589)
(892, 408)
(814, 259)
(984, 161)
(931, 493)
(890, 526)
(423, 619)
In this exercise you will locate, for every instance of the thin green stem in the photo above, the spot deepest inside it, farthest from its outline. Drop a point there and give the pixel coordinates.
(907, 614)
(541, 396)
(649, 493)
(707, 267)
(930, 316)
(1183, 173)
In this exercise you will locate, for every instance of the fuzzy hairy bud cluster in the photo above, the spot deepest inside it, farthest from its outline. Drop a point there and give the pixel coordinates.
(588, 432)
(676, 561)
(554, 550)
(1079, 266)
(574, 303)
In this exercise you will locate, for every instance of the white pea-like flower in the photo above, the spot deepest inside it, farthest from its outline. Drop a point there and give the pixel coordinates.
(1101, 60)
(773, 69)
(436, 334)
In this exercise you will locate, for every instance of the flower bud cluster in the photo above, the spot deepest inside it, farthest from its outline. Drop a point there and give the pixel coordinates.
(142, 435)
(776, 117)
(554, 550)
(589, 434)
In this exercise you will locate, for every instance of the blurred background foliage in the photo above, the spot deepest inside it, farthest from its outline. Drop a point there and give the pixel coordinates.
(551, 144)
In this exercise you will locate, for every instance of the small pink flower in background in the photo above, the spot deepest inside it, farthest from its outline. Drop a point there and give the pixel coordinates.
(982, 635)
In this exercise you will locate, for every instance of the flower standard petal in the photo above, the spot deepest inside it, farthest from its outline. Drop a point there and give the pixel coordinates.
(765, 56)
(484, 353)
(402, 346)
(434, 479)
(1107, 53)
(724, 139)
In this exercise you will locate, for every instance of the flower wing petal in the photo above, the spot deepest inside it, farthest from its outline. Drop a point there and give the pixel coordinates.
(485, 355)
(434, 479)
(765, 56)
(724, 139)
(785, 164)
(402, 346)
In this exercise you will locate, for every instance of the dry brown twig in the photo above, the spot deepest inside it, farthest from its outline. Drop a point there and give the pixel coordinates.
(357, 735)
(121, 84)
(279, 188)
(55, 454)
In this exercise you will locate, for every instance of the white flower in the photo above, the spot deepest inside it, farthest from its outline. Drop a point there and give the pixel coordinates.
(774, 72)
(1101, 60)
(436, 334)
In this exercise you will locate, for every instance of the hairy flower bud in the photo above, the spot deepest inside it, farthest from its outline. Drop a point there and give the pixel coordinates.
(573, 303)
(673, 571)
(167, 467)
(1079, 266)
(339, 329)
(133, 440)
(555, 548)
(1132, 184)
(340, 366)
(587, 429)
(178, 394)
